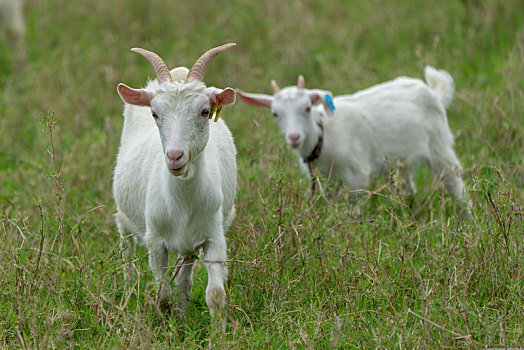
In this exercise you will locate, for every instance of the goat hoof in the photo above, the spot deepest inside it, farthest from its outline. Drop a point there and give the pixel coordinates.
(216, 298)
(164, 305)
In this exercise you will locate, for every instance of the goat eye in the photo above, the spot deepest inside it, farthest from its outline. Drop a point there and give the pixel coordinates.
(154, 115)
(205, 113)
(308, 109)
(275, 114)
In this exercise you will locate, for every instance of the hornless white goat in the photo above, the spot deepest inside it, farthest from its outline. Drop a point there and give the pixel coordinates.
(175, 176)
(403, 120)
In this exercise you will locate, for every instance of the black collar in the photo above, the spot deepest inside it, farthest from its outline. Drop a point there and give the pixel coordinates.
(318, 148)
(313, 156)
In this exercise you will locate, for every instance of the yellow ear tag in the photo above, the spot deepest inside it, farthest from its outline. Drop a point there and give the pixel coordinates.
(213, 108)
(218, 114)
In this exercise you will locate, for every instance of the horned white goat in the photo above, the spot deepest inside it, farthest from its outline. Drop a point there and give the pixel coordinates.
(175, 176)
(403, 120)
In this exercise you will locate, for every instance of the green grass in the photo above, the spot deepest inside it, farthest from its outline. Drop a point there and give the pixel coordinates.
(380, 269)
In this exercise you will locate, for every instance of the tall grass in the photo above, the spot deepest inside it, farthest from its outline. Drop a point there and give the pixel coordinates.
(375, 269)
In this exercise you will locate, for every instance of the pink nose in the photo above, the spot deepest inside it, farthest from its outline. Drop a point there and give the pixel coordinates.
(293, 138)
(175, 155)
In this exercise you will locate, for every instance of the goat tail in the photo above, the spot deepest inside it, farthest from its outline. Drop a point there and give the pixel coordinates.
(442, 83)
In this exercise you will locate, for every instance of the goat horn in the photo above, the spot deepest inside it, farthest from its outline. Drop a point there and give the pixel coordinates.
(199, 68)
(275, 87)
(300, 83)
(160, 67)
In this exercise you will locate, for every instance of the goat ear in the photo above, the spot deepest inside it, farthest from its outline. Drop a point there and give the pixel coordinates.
(139, 97)
(219, 97)
(326, 97)
(259, 100)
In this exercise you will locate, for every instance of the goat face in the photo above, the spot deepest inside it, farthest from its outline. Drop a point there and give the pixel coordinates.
(180, 109)
(292, 108)
(181, 112)
(292, 111)
(182, 120)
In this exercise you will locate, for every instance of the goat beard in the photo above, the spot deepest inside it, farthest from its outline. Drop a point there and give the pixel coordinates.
(188, 174)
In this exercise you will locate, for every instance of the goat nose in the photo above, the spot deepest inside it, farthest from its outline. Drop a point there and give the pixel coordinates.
(175, 154)
(293, 137)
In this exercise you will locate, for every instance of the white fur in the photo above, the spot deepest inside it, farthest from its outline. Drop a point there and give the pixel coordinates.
(171, 213)
(11, 15)
(12, 19)
(403, 120)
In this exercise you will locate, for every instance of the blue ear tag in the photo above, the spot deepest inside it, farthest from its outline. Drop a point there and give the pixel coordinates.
(329, 101)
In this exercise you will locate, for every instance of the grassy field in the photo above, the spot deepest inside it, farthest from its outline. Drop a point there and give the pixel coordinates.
(377, 270)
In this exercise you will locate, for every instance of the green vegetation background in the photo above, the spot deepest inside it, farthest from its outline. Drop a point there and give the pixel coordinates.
(380, 269)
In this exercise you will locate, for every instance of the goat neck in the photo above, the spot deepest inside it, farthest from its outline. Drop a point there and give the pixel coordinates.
(314, 135)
